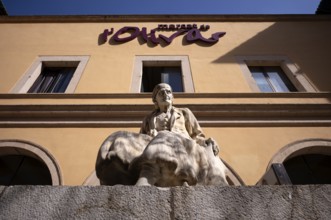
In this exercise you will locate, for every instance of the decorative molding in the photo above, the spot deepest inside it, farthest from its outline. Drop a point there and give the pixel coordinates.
(131, 115)
(259, 95)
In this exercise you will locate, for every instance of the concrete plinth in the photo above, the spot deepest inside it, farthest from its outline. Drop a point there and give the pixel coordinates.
(130, 202)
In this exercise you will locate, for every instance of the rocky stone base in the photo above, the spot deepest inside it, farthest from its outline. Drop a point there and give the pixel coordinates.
(130, 202)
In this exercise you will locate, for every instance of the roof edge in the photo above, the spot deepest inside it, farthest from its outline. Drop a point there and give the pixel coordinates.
(161, 18)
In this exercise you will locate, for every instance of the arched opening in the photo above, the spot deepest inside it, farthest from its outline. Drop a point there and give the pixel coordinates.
(23, 170)
(302, 162)
(24, 163)
(309, 169)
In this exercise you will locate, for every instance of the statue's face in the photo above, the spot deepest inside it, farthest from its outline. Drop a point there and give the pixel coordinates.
(164, 96)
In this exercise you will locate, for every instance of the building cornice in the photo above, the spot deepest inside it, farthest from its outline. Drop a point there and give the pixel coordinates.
(161, 18)
(260, 95)
(129, 109)
(131, 115)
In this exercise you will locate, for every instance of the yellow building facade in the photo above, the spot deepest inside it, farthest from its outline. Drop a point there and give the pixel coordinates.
(232, 72)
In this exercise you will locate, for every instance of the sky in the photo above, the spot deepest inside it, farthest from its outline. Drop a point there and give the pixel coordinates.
(136, 7)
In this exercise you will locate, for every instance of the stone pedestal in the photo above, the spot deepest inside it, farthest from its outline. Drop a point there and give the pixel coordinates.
(130, 202)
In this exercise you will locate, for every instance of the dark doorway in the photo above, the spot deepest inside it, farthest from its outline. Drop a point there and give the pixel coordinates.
(309, 169)
(23, 170)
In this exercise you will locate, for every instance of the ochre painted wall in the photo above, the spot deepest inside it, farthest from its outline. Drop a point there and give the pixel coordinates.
(214, 68)
(247, 150)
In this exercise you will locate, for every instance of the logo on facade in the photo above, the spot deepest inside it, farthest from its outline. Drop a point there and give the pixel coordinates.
(192, 34)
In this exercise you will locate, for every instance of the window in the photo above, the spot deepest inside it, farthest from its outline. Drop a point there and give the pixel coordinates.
(52, 74)
(152, 70)
(271, 79)
(52, 80)
(153, 75)
(273, 74)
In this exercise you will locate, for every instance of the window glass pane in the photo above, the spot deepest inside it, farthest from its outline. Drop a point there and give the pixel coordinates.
(37, 84)
(260, 79)
(65, 76)
(53, 80)
(49, 77)
(153, 75)
(271, 79)
(165, 77)
(278, 79)
(57, 83)
(174, 78)
(277, 82)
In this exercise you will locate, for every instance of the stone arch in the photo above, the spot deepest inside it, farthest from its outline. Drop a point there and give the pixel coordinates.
(19, 147)
(307, 149)
(301, 147)
(92, 180)
(232, 176)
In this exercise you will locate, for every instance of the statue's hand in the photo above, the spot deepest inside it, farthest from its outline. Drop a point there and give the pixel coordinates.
(214, 145)
(153, 133)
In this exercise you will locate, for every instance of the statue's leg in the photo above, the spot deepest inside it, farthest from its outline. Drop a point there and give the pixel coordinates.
(216, 172)
(185, 184)
(148, 175)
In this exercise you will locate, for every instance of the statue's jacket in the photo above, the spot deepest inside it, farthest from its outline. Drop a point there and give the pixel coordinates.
(182, 121)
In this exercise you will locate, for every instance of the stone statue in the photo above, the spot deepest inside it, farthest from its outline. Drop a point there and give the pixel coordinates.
(170, 150)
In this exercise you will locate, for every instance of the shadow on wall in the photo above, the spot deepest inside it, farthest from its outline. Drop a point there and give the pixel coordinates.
(306, 44)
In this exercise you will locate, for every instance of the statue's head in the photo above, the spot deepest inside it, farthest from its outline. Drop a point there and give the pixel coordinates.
(162, 94)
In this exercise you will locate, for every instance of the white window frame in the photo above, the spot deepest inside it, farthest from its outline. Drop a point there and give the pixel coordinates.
(183, 61)
(298, 79)
(30, 76)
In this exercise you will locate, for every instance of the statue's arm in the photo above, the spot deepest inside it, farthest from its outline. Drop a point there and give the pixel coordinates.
(147, 127)
(144, 126)
(196, 133)
(193, 127)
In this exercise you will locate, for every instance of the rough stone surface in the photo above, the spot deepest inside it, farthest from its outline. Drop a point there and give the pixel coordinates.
(132, 202)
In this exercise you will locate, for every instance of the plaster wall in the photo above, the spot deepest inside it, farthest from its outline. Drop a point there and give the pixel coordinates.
(247, 150)
(214, 68)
